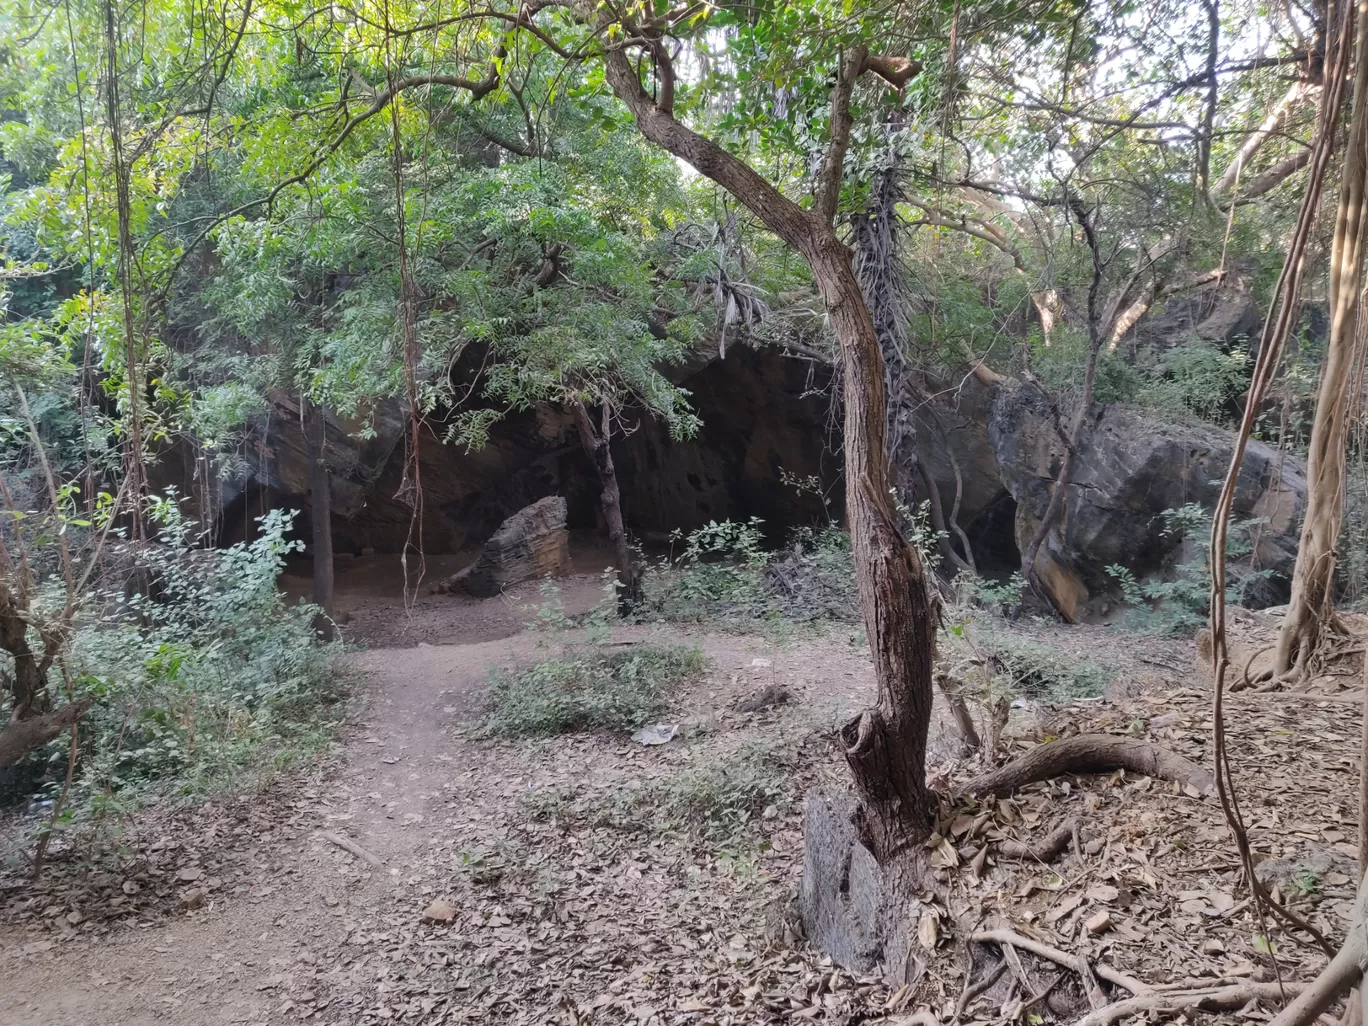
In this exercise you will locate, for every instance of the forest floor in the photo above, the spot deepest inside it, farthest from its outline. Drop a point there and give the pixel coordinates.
(569, 895)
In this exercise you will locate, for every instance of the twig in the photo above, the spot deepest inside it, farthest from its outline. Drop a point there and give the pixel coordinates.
(348, 845)
(971, 992)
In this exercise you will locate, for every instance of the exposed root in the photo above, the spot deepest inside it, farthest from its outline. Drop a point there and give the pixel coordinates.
(1186, 1002)
(970, 992)
(1345, 971)
(1244, 681)
(1090, 753)
(1008, 939)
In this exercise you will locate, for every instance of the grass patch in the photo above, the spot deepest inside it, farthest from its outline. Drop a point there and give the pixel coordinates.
(718, 798)
(588, 690)
(1026, 667)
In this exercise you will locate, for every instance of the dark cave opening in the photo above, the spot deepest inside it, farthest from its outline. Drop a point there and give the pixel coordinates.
(992, 536)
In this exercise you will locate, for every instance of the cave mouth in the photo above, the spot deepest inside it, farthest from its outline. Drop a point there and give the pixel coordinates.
(992, 536)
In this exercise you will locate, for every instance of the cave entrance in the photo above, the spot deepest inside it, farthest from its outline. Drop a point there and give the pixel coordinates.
(992, 536)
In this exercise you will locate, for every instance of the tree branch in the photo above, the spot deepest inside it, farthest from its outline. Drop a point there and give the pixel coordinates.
(828, 191)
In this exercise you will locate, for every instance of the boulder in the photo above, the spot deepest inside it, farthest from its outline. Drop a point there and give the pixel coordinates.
(533, 542)
(1133, 467)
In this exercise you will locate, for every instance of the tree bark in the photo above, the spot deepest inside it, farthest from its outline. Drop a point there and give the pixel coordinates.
(1311, 608)
(28, 678)
(320, 499)
(597, 448)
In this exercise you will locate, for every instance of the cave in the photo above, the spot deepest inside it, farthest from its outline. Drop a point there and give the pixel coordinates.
(992, 537)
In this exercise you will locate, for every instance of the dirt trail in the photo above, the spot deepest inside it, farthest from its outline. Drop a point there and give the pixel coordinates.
(293, 935)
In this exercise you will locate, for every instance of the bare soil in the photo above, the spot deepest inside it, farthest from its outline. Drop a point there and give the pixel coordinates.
(560, 915)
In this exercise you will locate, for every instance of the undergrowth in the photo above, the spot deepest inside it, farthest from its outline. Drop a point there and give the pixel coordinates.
(1022, 666)
(589, 689)
(724, 574)
(205, 681)
(717, 798)
(1178, 604)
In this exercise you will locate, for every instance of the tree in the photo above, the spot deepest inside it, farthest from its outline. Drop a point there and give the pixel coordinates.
(1311, 612)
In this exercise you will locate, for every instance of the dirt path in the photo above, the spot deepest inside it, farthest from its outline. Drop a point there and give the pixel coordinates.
(576, 893)
(300, 930)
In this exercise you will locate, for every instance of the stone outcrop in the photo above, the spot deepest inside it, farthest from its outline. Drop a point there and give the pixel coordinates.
(532, 543)
(1133, 467)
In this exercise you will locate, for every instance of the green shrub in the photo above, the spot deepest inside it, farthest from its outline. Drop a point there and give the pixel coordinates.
(589, 689)
(717, 798)
(1180, 604)
(1198, 378)
(720, 798)
(207, 681)
(725, 575)
(1024, 667)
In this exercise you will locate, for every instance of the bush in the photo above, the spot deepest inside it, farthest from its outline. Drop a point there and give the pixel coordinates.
(590, 689)
(1199, 378)
(206, 681)
(1024, 667)
(1180, 605)
(717, 798)
(725, 575)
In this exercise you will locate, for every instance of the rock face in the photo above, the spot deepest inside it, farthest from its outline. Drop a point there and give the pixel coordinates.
(1133, 467)
(533, 542)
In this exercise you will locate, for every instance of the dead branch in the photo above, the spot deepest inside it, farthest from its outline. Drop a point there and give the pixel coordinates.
(1185, 1002)
(348, 845)
(959, 711)
(1051, 847)
(1090, 753)
(20, 737)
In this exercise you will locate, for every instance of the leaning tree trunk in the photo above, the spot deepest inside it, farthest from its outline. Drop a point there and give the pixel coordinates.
(597, 448)
(1311, 609)
(320, 498)
(886, 745)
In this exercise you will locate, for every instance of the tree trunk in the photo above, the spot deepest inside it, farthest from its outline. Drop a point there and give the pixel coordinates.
(885, 745)
(19, 737)
(320, 499)
(28, 678)
(1311, 609)
(1055, 508)
(597, 448)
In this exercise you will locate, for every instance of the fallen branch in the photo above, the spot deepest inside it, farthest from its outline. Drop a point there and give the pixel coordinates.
(1179, 1002)
(1079, 964)
(1051, 847)
(348, 845)
(1090, 753)
(23, 736)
